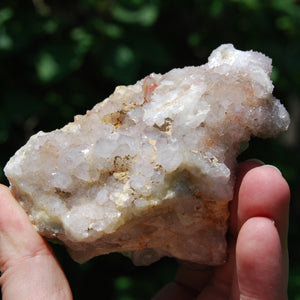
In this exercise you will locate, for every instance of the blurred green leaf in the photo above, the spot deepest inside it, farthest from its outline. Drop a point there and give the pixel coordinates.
(6, 42)
(5, 14)
(194, 39)
(51, 26)
(124, 56)
(289, 7)
(47, 67)
(216, 8)
(58, 60)
(3, 135)
(146, 15)
(83, 38)
(287, 24)
(249, 4)
(275, 74)
(119, 64)
(111, 30)
(123, 283)
(41, 7)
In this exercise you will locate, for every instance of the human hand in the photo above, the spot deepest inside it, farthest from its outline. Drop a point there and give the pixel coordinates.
(256, 268)
(29, 269)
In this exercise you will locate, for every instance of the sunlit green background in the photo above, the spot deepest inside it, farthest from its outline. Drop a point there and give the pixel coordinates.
(59, 58)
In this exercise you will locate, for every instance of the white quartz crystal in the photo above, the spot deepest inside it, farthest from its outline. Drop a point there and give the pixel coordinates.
(150, 170)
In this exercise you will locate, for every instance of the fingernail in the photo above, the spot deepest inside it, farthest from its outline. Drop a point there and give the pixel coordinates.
(274, 168)
(255, 160)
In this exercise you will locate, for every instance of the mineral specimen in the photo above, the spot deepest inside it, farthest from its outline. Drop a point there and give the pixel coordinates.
(150, 171)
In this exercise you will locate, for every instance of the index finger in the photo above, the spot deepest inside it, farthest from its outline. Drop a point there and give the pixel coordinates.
(264, 192)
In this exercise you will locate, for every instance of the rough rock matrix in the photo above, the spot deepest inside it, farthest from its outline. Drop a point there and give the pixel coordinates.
(150, 171)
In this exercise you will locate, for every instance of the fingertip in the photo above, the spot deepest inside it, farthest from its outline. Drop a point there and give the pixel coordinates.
(253, 234)
(267, 174)
(260, 263)
(264, 192)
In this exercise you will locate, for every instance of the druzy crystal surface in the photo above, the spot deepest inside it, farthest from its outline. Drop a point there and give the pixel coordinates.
(150, 170)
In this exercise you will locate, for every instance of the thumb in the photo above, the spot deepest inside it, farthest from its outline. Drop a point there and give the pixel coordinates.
(29, 269)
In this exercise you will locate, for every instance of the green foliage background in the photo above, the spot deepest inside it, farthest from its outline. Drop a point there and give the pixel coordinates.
(59, 58)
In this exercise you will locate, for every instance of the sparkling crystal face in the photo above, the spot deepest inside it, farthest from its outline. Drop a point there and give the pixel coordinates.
(150, 170)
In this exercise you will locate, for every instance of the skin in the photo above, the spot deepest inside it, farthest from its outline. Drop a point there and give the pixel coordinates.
(257, 266)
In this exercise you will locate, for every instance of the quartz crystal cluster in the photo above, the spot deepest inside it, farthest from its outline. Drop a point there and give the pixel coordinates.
(149, 171)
